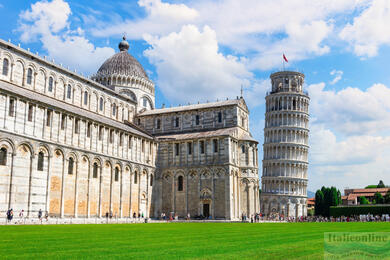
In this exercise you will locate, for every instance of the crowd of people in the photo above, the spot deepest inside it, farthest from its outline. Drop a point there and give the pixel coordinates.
(258, 217)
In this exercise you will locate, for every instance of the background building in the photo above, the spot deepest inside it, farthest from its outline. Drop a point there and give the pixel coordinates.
(286, 146)
(80, 147)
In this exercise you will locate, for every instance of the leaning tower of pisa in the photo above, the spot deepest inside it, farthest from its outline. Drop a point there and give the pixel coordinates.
(286, 147)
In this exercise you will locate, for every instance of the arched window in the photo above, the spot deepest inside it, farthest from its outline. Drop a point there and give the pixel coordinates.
(135, 177)
(101, 103)
(29, 76)
(95, 170)
(151, 180)
(85, 97)
(3, 156)
(145, 102)
(158, 123)
(5, 67)
(50, 88)
(69, 92)
(70, 166)
(116, 174)
(180, 183)
(41, 158)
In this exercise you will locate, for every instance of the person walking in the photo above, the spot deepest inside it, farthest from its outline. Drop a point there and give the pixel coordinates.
(40, 214)
(21, 214)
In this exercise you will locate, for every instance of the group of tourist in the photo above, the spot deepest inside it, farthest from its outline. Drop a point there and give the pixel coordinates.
(10, 216)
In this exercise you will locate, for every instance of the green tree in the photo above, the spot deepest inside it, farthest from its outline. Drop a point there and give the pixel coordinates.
(387, 197)
(381, 184)
(363, 200)
(378, 198)
(319, 203)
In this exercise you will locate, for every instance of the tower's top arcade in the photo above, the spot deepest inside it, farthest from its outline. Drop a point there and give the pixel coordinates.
(287, 81)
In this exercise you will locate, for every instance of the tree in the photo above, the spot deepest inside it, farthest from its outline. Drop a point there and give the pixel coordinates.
(319, 203)
(326, 197)
(378, 198)
(381, 184)
(387, 197)
(363, 200)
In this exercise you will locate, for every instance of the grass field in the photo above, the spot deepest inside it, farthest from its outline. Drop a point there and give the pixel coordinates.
(174, 240)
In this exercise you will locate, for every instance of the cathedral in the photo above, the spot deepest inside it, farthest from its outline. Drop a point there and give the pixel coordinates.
(84, 147)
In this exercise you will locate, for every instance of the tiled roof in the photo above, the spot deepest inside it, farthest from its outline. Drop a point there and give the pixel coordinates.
(369, 190)
(51, 102)
(190, 107)
(232, 131)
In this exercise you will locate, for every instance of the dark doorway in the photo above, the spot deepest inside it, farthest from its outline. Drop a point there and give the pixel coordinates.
(206, 210)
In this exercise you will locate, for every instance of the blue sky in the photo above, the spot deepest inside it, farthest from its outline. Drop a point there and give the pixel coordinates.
(206, 50)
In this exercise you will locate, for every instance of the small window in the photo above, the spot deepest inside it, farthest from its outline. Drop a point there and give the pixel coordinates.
(48, 117)
(101, 104)
(197, 120)
(143, 146)
(189, 148)
(151, 180)
(50, 88)
(70, 166)
(243, 148)
(30, 112)
(145, 102)
(29, 76)
(69, 92)
(130, 142)
(180, 183)
(177, 147)
(95, 170)
(286, 80)
(113, 109)
(5, 67)
(40, 161)
(201, 147)
(116, 174)
(243, 122)
(135, 178)
(3, 156)
(76, 125)
(101, 133)
(111, 136)
(215, 145)
(11, 111)
(63, 121)
(120, 139)
(86, 97)
(219, 117)
(89, 130)
(158, 124)
(177, 122)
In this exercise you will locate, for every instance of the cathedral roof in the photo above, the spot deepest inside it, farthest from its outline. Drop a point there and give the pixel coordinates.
(122, 63)
(192, 107)
(235, 132)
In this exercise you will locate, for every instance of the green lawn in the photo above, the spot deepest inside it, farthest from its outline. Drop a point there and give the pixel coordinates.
(179, 240)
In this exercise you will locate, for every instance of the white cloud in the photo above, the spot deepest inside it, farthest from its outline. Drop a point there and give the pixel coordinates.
(49, 23)
(351, 111)
(262, 29)
(190, 67)
(370, 29)
(161, 19)
(349, 137)
(353, 162)
(338, 74)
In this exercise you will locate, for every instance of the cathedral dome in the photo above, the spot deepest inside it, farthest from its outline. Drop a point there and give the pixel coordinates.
(122, 63)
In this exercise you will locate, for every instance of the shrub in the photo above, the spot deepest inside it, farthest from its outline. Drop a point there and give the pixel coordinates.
(359, 210)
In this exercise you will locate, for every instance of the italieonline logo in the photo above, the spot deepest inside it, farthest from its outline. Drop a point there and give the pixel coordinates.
(357, 245)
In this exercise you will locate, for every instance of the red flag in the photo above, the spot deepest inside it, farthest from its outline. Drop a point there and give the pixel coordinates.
(284, 57)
